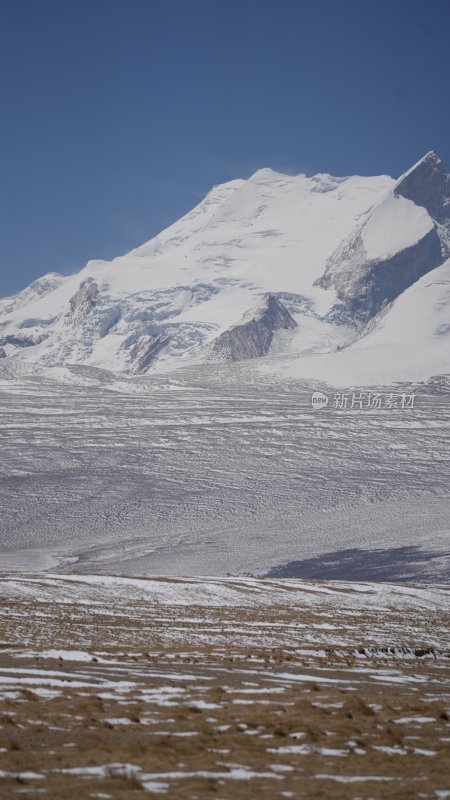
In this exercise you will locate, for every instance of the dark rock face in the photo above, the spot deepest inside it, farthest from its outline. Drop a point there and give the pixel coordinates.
(365, 293)
(22, 341)
(276, 316)
(366, 286)
(252, 339)
(2, 353)
(428, 185)
(83, 301)
(146, 350)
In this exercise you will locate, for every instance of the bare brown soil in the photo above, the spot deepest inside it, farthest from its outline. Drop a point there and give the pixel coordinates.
(209, 702)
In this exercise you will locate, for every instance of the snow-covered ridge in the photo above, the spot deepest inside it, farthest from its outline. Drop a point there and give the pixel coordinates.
(225, 592)
(404, 236)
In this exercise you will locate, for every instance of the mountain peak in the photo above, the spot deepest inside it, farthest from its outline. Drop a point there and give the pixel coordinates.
(265, 174)
(253, 336)
(431, 156)
(427, 184)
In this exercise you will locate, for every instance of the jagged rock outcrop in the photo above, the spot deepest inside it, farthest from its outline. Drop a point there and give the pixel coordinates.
(366, 284)
(252, 338)
(83, 301)
(22, 341)
(428, 185)
(145, 351)
(2, 353)
(365, 292)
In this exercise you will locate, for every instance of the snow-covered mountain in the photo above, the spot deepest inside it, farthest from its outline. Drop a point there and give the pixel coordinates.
(318, 270)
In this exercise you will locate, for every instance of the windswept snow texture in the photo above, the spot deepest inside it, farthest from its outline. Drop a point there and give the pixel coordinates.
(216, 470)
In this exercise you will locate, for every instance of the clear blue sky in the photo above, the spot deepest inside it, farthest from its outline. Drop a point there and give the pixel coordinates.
(117, 116)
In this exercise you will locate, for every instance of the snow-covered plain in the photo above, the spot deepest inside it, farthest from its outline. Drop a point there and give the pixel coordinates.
(215, 470)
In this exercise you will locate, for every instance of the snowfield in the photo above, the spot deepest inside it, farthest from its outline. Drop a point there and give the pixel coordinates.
(394, 224)
(219, 470)
(408, 341)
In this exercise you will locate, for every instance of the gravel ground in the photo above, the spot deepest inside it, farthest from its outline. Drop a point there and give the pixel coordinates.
(233, 688)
